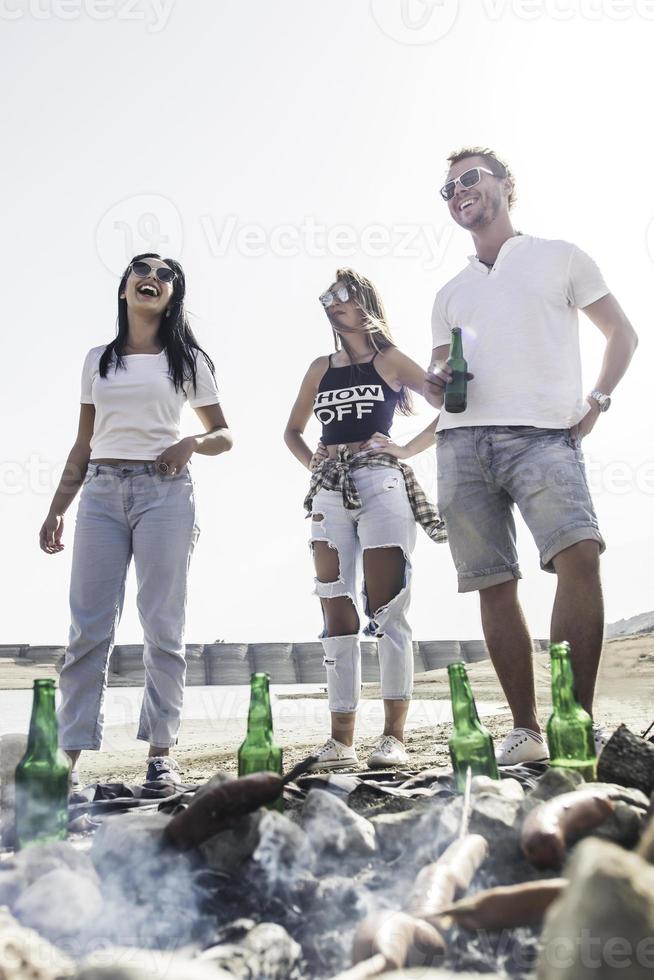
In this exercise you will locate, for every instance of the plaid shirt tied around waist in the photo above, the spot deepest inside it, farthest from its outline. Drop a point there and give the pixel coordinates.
(335, 474)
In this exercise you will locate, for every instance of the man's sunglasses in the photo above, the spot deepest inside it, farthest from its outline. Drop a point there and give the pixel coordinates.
(340, 293)
(467, 179)
(142, 269)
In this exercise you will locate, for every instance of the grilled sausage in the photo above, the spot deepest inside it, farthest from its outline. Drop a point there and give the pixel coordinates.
(552, 825)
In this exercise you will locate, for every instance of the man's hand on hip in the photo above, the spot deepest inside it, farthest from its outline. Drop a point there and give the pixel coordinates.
(587, 424)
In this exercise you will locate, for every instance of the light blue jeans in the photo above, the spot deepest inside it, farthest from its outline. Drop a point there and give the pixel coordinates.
(127, 510)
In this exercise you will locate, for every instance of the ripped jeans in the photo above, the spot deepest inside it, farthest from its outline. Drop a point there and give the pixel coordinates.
(384, 520)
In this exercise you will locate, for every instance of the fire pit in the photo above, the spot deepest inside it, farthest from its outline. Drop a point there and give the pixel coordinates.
(279, 896)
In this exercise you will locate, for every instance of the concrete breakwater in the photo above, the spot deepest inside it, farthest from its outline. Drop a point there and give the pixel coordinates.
(233, 663)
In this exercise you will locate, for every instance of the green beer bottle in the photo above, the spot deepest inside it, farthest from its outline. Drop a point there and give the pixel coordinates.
(259, 752)
(456, 391)
(42, 775)
(569, 728)
(471, 744)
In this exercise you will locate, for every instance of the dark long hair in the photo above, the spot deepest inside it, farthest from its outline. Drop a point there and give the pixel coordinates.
(174, 333)
(370, 303)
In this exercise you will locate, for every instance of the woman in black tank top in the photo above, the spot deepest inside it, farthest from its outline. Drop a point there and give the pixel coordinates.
(364, 504)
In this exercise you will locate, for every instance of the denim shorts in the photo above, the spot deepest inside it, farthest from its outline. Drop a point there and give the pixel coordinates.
(483, 471)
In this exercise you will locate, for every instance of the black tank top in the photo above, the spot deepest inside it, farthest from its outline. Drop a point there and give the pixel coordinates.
(354, 402)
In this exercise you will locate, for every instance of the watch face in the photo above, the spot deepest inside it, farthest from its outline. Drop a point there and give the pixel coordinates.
(605, 404)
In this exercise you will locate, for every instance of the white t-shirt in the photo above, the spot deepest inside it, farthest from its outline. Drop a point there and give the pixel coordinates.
(137, 409)
(520, 331)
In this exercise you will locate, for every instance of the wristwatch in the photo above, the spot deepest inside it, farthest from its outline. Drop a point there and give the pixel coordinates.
(604, 401)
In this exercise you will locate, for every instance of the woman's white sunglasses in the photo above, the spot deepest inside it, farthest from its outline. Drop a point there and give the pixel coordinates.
(467, 179)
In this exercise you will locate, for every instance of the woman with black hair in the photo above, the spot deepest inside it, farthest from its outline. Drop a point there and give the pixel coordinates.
(137, 499)
(364, 505)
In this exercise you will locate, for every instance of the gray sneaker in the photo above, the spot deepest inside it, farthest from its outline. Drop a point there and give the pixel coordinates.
(163, 769)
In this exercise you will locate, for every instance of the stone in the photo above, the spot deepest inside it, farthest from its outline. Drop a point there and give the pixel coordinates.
(430, 973)
(12, 750)
(509, 788)
(276, 951)
(395, 831)
(134, 963)
(34, 862)
(334, 829)
(59, 903)
(236, 960)
(25, 954)
(624, 826)
(497, 819)
(228, 850)
(11, 884)
(603, 924)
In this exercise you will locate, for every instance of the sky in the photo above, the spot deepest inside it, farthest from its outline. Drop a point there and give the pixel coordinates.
(265, 143)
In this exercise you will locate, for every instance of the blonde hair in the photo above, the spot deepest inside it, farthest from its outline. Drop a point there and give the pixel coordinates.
(367, 299)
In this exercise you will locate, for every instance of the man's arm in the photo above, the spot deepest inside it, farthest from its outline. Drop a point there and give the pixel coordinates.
(621, 342)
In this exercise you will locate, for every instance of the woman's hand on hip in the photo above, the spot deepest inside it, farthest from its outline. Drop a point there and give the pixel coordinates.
(319, 455)
(50, 534)
(380, 443)
(174, 459)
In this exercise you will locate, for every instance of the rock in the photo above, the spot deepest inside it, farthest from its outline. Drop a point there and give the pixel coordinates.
(419, 973)
(59, 903)
(602, 927)
(286, 857)
(150, 891)
(554, 782)
(334, 829)
(509, 788)
(626, 794)
(11, 885)
(628, 760)
(497, 819)
(228, 850)
(34, 862)
(133, 963)
(276, 952)
(12, 750)
(236, 960)
(353, 900)
(23, 953)
(624, 826)
(395, 831)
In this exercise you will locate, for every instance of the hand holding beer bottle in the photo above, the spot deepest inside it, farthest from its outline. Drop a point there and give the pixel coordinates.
(456, 390)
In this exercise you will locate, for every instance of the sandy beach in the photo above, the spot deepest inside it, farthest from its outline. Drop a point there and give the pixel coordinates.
(625, 693)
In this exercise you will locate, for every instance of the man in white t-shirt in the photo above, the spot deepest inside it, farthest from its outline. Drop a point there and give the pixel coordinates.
(518, 441)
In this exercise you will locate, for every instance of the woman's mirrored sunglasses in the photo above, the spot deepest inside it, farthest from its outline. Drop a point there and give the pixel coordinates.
(341, 293)
(142, 269)
(467, 179)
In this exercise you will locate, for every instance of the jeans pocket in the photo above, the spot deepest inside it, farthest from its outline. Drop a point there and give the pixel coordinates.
(441, 437)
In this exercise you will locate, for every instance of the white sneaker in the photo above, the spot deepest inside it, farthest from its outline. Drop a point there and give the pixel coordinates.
(334, 755)
(388, 751)
(522, 745)
(601, 737)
